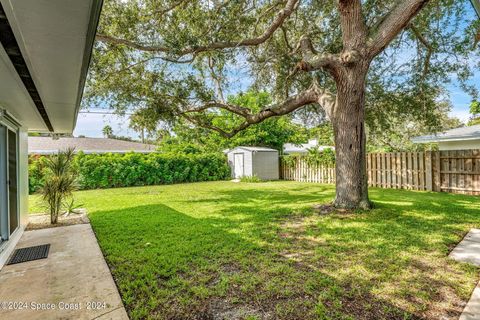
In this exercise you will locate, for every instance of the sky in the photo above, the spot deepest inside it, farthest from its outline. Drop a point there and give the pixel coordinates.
(91, 124)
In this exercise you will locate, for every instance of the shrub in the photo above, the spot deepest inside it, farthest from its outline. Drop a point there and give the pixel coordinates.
(314, 157)
(36, 173)
(137, 169)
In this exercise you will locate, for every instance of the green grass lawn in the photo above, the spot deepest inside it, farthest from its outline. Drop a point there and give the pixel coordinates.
(224, 250)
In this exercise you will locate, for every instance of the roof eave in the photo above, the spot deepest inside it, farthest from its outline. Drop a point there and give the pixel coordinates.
(476, 6)
(87, 54)
(437, 140)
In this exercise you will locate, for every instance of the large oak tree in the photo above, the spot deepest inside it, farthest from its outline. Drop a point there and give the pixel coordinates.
(180, 58)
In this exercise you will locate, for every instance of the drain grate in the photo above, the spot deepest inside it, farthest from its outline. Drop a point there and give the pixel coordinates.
(29, 254)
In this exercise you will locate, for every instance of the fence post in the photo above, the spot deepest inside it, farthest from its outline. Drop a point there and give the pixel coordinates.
(437, 182)
(428, 171)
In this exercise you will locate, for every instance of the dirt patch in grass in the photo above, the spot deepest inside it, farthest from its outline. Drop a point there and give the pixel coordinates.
(438, 297)
(223, 310)
(324, 209)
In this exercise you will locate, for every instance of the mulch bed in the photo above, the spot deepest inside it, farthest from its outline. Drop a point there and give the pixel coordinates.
(42, 221)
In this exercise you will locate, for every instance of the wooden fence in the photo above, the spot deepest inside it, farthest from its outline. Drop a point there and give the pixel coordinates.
(300, 170)
(455, 171)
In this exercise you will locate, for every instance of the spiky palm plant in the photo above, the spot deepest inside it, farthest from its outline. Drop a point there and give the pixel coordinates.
(60, 181)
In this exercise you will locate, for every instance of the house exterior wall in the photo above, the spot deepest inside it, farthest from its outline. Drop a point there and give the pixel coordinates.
(265, 165)
(459, 145)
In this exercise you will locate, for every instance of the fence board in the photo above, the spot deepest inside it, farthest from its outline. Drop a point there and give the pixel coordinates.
(447, 171)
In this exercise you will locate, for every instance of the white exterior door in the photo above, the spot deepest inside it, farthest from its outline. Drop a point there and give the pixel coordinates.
(238, 168)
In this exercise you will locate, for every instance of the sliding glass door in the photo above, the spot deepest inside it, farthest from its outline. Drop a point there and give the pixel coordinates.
(9, 218)
(12, 180)
(3, 185)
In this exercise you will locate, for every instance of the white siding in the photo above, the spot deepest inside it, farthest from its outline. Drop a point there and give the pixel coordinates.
(265, 165)
(248, 163)
(459, 145)
(230, 163)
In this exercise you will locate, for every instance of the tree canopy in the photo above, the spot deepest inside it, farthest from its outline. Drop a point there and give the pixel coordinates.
(173, 56)
(475, 112)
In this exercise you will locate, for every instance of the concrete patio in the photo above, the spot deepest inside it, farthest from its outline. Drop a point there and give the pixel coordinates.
(74, 282)
(468, 250)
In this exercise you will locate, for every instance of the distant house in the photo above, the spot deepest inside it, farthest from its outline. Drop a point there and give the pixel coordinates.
(454, 139)
(289, 148)
(47, 145)
(254, 161)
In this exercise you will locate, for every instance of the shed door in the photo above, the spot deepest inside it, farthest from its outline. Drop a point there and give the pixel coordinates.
(238, 165)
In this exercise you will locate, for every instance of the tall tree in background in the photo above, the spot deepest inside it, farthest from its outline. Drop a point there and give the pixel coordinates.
(176, 58)
(391, 129)
(139, 123)
(475, 112)
(107, 131)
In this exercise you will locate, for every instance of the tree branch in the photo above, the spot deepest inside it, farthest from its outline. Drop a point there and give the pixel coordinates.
(427, 46)
(311, 60)
(352, 21)
(393, 23)
(477, 39)
(238, 110)
(277, 22)
(312, 95)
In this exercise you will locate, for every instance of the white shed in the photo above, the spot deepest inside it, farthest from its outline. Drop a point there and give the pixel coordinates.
(250, 161)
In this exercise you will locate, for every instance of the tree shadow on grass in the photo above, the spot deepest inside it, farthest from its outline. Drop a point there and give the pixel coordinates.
(401, 247)
(173, 265)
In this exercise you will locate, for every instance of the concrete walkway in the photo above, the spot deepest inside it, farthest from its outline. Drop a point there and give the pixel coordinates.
(74, 282)
(468, 250)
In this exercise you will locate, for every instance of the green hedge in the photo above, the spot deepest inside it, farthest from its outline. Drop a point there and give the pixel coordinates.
(137, 169)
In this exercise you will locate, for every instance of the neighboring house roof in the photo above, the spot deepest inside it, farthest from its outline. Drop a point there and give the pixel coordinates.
(458, 134)
(303, 148)
(47, 145)
(253, 149)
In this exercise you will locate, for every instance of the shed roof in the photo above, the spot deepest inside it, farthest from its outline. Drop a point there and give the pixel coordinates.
(458, 134)
(46, 145)
(254, 149)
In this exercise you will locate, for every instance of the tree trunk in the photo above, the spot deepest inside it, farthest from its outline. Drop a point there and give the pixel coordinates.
(53, 216)
(349, 133)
